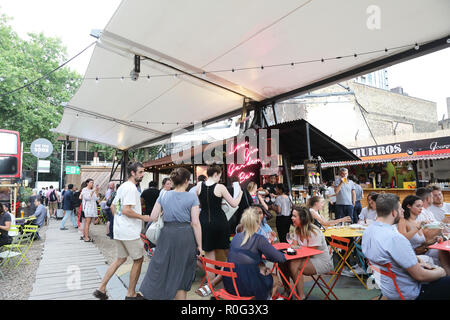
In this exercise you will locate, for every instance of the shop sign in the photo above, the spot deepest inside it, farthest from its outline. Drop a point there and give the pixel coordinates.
(404, 149)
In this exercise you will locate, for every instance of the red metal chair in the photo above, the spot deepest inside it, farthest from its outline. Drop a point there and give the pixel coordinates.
(389, 273)
(337, 243)
(222, 293)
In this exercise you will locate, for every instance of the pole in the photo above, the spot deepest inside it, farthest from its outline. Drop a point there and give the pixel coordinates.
(308, 141)
(21, 159)
(37, 173)
(61, 171)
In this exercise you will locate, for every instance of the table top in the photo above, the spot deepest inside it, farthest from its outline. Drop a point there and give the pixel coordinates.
(345, 232)
(303, 252)
(444, 245)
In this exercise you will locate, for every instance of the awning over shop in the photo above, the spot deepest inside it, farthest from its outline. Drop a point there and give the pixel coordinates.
(292, 142)
(199, 60)
(426, 149)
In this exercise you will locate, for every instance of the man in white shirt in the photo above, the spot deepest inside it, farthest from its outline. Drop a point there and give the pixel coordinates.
(439, 208)
(128, 218)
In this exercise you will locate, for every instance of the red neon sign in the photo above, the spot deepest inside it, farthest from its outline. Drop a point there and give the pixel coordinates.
(248, 161)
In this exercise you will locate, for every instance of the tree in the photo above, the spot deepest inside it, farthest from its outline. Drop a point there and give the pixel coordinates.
(36, 109)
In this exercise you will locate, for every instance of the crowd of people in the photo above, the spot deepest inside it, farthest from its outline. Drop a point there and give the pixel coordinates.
(200, 218)
(195, 222)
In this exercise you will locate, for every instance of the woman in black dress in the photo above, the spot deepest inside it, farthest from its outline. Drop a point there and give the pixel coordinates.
(215, 230)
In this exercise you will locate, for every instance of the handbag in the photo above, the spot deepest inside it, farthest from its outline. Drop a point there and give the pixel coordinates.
(155, 228)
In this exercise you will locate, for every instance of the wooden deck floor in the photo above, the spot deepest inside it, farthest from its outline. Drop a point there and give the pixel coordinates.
(68, 269)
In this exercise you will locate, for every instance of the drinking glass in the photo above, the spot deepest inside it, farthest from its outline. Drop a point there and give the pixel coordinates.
(290, 238)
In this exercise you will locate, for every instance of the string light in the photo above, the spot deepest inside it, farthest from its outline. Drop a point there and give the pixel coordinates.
(262, 67)
(78, 115)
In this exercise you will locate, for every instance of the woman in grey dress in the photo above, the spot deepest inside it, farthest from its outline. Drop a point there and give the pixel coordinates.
(172, 268)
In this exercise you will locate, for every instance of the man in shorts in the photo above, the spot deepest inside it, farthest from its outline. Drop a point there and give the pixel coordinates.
(128, 218)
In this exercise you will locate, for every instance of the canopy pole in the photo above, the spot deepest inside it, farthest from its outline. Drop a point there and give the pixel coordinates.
(308, 141)
(287, 174)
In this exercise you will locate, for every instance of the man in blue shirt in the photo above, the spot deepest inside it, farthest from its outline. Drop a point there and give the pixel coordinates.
(40, 214)
(382, 244)
(68, 208)
(345, 195)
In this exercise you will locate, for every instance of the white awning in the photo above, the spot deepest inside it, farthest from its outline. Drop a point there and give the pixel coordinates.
(204, 36)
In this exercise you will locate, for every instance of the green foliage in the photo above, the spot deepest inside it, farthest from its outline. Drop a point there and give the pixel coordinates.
(24, 194)
(34, 110)
(106, 150)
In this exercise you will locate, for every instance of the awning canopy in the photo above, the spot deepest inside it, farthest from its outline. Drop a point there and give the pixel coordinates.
(204, 58)
(292, 142)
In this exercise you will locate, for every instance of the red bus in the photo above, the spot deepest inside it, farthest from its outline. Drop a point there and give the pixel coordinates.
(10, 155)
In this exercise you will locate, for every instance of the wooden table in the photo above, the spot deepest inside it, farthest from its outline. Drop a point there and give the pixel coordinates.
(303, 252)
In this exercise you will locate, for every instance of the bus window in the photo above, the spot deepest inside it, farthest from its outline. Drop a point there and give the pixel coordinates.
(8, 143)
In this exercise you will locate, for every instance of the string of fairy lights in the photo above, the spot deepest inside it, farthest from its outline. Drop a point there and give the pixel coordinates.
(148, 77)
(261, 67)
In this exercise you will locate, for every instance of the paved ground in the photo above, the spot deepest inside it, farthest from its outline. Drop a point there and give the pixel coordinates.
(18, 283)
(346, 288)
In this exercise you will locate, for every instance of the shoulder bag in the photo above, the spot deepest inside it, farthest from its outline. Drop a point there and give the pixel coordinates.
(155, 228)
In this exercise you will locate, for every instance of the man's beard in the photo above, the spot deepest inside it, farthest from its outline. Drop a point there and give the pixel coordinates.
(397, 219)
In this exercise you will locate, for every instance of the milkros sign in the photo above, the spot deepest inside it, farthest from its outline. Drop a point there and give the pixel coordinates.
(433, 146)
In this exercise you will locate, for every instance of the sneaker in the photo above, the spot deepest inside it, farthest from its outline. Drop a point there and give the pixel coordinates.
(63, 228)
(347, 273)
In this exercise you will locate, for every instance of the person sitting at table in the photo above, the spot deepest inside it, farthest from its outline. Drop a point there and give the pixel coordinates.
(246, 250)
(315, 205)
(369, 214)
(40, 214)
(309, 235)
(5, 225)
(412, 230)
(382, 244)
(264, 228)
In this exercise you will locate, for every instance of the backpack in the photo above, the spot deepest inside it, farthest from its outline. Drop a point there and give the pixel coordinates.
(53, 196)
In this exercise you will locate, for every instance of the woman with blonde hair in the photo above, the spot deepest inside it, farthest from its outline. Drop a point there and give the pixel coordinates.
(309, 235)
(246, 252)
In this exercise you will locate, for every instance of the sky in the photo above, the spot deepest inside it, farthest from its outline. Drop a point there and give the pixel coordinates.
(427, 77)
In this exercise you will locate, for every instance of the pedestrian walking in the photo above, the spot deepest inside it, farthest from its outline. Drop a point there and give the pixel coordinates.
(89, 197)
(68, 208)
(109, 196)
(172, 268)
(52, 198)
(128, 219)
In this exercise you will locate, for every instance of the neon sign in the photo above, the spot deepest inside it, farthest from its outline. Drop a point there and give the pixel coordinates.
(249, 160)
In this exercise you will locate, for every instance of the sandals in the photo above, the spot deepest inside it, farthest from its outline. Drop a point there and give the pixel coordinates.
(90, 240)
(138, 297)
(100, 295)
(203, 291)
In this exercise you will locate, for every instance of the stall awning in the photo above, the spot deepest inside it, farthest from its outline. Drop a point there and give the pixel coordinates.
(205, 57)
(425, 149)
(293, 141)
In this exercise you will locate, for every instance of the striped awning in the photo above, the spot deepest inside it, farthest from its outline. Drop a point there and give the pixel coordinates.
(437, 156)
